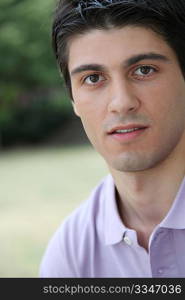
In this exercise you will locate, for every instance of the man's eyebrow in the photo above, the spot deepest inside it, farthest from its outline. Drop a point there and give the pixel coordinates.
(135, 59)
(88, 67)
(130, 61)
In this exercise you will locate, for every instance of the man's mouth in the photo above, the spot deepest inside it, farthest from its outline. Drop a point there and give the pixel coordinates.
(127, 130)
(127, 133)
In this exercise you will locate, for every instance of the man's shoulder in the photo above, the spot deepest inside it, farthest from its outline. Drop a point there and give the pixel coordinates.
(77, 236)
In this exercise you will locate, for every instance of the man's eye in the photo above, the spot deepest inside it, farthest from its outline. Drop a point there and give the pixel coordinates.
(93, 79)
(144, 71)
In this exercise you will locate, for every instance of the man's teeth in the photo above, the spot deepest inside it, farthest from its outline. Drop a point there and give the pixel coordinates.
(126, 130)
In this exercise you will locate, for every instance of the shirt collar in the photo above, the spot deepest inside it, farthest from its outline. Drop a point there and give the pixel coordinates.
(114, 229)
(175, 218)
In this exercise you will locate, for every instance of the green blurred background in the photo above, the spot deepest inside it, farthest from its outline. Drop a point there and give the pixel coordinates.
(47, 166)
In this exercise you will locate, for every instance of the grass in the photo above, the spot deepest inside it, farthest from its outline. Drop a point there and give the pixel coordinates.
(38, 189)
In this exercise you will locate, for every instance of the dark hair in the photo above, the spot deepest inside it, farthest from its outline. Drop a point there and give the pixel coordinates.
(73, 17)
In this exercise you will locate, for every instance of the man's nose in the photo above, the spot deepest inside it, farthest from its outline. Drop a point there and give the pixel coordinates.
(123, 98)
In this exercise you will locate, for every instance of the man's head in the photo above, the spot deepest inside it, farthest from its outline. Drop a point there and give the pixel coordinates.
(77, 17)
(124, 66)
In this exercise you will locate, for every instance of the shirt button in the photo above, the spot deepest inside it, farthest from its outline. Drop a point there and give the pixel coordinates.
(127, 240)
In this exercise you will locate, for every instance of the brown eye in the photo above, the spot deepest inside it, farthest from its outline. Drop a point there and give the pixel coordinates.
(93, 79)
(144, 71)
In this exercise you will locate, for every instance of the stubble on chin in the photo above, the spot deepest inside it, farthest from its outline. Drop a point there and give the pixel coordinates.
(129, 163)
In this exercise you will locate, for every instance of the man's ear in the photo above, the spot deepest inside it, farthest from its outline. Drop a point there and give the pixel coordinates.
(75, 109)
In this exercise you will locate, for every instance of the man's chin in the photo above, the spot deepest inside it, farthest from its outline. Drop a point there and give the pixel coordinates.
(132, 163)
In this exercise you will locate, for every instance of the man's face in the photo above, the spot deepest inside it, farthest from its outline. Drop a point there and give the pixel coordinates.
(129, 92)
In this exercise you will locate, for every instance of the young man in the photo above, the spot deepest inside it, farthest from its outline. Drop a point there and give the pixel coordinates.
(124, 65)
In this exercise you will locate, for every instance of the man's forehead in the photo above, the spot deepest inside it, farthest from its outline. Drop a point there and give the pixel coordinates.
(97, 38)
(130, 44)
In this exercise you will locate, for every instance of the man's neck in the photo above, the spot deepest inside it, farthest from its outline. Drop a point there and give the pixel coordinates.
(144, 198)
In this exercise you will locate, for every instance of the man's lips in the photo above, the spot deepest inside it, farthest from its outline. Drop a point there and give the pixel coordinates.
(120, 129)
(127, 133)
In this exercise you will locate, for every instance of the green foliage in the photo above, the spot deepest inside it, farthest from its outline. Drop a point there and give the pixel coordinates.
(25, 47)
(27, 65)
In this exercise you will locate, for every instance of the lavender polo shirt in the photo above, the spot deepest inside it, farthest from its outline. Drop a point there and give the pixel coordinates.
(93, 242)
